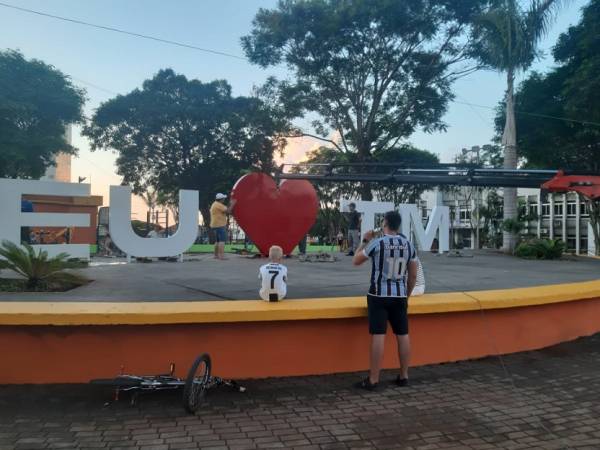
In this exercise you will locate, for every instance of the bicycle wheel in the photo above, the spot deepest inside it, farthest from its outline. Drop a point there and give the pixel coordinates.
(196, 383)
(117, 382)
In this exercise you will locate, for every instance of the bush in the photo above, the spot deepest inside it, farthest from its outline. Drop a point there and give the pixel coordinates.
(513, 226)
(40, 271)
(541, 249)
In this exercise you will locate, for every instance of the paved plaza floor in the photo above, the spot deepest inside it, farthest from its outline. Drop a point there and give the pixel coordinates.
(546, 399)
(200, 277)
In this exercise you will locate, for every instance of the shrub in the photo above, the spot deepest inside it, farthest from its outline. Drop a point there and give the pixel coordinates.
(513, 226)
(541, 249)
(37, 268)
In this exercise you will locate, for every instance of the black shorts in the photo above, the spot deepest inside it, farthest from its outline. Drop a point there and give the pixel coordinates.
(384, 309)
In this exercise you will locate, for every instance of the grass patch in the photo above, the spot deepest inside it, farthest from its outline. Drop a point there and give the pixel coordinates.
(231, 248)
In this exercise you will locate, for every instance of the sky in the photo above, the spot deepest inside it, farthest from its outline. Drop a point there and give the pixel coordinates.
(105, 63)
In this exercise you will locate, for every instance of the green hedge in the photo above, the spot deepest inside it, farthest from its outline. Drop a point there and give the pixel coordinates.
(541, 249)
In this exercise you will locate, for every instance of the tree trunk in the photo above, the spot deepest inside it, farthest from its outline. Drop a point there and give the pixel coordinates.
(366, 191)
(509, 141)
(594, 209)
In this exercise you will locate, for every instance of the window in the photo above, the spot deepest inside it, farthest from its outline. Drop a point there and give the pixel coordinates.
(558, 209)
(571, 242)
(533, 209)
(465, 215)
(546, 209)
(584, 209)
(571, 209)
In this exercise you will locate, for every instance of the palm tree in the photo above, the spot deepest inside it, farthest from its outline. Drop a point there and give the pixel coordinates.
(38, 269)
(508, 36)
(150, 197)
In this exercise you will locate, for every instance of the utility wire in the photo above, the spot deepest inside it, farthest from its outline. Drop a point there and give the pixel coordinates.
(230, 55)
(95, 86)
(118, 30)
(544, 116)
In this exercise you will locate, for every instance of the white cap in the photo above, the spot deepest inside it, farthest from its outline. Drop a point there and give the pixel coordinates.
(220, 196)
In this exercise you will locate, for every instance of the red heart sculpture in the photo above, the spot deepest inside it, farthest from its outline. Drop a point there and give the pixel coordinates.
(272, 215)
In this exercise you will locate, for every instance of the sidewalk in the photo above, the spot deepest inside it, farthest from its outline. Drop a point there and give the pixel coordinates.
(203, 278)
(468, 405)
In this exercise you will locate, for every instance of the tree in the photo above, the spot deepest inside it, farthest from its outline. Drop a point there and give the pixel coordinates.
(472, 198)
(373, 71)
(570, 91)
(405, 155)
(37, 102)
(176, 133)
(330, 221)
(508, 40)
(38, 269)
(149, 196)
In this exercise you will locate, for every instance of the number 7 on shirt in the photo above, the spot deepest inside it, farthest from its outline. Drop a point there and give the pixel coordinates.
(274, 273)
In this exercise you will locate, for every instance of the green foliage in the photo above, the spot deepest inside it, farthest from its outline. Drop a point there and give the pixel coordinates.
(541, 249)
(374, 71)
(570, 90)
(330, 221)
(508, 34)
(488, 156)
(139, 227)
(407, 155)
(37, 102)
(176, 133)
(513, 226)
(39, 271)
(491, 213)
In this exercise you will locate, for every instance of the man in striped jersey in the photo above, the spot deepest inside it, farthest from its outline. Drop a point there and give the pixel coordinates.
(393, 277)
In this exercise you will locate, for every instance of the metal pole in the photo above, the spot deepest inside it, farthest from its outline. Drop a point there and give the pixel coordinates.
(577, 225)
(551, 231)
(564, 220)
(167, 223)
(477, 207)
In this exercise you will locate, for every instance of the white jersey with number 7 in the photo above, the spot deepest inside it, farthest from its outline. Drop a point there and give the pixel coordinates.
(273, 278)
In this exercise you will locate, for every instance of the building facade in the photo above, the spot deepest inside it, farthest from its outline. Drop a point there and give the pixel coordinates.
(553, 216)
(62, 170)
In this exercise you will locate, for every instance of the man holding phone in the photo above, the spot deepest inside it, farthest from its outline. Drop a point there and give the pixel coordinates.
(393, 277)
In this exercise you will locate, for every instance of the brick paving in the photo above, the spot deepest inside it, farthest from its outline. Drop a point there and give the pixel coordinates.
(554, 403)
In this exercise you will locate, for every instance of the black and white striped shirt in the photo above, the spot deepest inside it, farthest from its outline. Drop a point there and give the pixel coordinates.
(390, 256)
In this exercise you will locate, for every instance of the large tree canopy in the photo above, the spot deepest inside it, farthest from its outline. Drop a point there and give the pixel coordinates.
(373, 71)
(176, 133)
(37, 102)
(571, 91)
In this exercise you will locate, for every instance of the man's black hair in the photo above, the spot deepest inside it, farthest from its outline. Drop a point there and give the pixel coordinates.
(392, 220)
(352, 204)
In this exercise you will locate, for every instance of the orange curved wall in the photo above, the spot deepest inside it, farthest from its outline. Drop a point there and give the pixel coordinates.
(68, 354)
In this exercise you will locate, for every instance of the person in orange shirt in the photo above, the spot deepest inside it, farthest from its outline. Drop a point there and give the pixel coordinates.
(218, 222)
